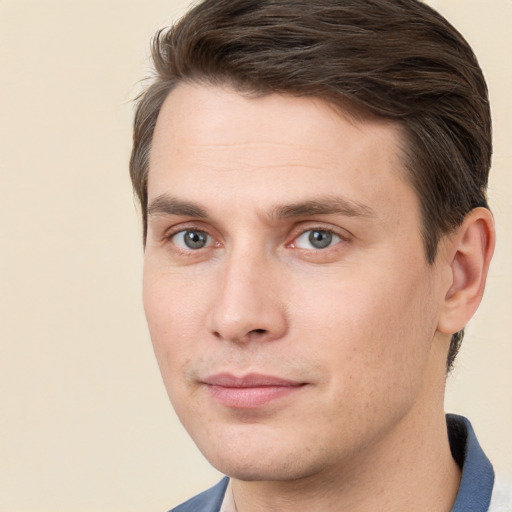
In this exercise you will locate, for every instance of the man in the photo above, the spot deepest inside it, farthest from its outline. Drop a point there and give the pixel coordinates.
(312, 179)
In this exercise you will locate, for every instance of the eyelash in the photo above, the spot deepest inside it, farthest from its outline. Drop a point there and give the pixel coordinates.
(329, 232)
(169, 236)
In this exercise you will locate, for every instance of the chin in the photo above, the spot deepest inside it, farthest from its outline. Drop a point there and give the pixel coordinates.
(261, 470)
(261, 459)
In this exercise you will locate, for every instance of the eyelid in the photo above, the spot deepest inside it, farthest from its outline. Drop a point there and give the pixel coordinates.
(170, 233)
(304, 241)
(186, 226)
(302, 229)
(179, 240)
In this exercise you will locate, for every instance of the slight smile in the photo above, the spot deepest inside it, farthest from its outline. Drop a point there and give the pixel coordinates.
(251, 391)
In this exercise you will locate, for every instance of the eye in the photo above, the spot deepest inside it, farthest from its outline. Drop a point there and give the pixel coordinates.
(316, 239)
(191, 239)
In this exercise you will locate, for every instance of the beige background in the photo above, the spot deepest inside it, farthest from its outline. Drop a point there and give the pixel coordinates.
(84, 420)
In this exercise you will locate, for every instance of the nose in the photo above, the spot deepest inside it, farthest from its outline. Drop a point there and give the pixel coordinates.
(248, 304)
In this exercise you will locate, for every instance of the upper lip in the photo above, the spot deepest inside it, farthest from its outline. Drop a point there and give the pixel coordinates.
(251, 380)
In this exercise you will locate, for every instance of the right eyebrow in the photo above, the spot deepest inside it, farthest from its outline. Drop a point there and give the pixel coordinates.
(168, 205)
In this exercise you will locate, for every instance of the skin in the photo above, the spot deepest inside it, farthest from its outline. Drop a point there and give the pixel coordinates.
(363, 324)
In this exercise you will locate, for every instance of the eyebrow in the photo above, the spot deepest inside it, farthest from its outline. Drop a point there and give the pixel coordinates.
(167, 205)
(328, 205)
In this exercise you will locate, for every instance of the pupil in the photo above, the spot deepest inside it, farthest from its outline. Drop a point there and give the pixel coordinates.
(195, 239)
(320, 239)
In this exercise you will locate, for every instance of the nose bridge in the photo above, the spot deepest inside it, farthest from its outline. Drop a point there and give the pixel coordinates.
(248, 304)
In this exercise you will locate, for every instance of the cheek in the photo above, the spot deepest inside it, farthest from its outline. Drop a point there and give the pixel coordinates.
(374, 328)
(174, 314)
(172, 317)
(173, 299)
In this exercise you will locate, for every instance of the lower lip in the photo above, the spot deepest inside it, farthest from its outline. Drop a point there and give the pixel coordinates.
(250, 397)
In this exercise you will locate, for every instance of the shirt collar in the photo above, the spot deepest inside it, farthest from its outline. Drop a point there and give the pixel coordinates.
(477, 473)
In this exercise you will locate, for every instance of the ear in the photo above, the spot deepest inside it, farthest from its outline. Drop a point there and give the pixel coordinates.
(469, 252)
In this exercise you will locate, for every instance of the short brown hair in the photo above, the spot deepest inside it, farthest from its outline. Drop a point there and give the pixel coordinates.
(397, 59)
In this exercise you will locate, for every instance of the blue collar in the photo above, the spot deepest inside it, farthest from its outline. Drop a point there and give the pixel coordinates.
(475, 486)
(477, 473)
(207, 501)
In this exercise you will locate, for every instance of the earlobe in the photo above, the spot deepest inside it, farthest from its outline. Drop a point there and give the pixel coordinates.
(470, 251)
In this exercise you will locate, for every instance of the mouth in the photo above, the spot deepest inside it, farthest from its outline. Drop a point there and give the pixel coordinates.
(250, 391)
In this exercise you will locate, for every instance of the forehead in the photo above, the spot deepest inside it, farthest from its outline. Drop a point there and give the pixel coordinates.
(209, 138)
(216, 116)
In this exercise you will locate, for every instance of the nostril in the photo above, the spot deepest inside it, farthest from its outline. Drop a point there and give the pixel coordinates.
(259, 331)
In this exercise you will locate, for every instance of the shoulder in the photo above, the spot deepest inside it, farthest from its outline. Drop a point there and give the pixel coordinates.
(208, 501)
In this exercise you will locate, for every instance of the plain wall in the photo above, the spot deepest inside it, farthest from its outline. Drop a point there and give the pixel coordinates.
(85, 423)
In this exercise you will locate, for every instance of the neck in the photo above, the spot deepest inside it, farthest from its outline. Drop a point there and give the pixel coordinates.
(422, 479)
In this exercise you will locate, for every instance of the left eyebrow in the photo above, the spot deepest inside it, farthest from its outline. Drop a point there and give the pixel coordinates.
(328, 205)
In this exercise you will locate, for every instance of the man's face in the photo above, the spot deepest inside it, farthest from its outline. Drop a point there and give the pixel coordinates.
(290, 304)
